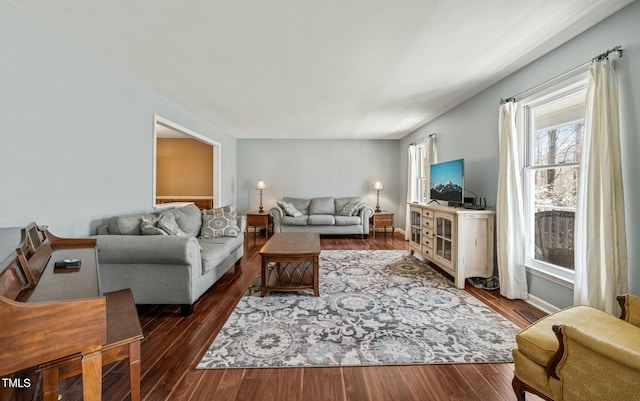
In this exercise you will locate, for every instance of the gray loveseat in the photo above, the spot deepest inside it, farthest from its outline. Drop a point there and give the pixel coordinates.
(326, 215)
(169, 269)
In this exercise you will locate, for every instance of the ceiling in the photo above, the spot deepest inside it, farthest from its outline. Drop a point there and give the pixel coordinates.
(357, 69)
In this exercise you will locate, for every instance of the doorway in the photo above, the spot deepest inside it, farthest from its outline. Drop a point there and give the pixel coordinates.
(186, 167)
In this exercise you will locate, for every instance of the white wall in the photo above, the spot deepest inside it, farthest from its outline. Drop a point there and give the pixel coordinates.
(309, 168)
(77, 134)
(470, 130)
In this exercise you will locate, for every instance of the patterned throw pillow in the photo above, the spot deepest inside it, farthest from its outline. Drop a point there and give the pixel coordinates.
(148, 226)
(167, 222)
(220, 224)
(289, 209)
(350, 208)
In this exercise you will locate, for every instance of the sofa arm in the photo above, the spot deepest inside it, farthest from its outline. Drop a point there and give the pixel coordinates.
(630, 305)
(242, 223)
(599, 365)
(147, 249)
(365, 214)
(277, 213)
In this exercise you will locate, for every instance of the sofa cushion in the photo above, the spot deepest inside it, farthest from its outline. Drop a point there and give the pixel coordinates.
(348, 220)
(322, 206)
(189, 219)
(221, 224)
(212, 254)
(341, 202)
(230, 242)
(322, 220)
(294, 221)
(149, 226)
(289, 209)
(299, 203)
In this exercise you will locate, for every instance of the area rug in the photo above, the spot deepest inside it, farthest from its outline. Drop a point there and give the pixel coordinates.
(375, 308)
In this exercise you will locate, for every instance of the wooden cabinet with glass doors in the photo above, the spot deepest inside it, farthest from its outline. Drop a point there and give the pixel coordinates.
(459, 241)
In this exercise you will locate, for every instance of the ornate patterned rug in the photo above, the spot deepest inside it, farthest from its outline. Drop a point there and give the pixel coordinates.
(375, 308)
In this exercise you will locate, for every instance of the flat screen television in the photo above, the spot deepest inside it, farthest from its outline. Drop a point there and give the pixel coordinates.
(447, 181)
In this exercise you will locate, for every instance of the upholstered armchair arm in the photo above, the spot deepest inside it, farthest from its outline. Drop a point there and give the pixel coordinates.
(630, 305)
(277, 213)
(598, 364)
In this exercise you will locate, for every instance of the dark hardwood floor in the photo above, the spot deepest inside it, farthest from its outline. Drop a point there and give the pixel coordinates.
(173, 346)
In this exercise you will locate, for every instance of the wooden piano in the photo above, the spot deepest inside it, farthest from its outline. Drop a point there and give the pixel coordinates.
(55, 318)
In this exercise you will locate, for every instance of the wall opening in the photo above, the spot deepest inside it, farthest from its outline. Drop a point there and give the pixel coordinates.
(186, 167)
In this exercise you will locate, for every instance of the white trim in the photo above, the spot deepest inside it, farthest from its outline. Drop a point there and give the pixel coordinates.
(542, 304)
(217, 156)
(551, 276)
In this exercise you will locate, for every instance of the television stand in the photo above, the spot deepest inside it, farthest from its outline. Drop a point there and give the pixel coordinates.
(459, 241)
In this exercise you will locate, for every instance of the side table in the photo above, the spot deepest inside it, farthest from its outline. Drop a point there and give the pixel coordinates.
(257, 219)
(381, 219)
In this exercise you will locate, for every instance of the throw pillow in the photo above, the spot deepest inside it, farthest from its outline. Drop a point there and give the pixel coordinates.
(350, 208)
(361, 205)
(220, 224)
(289, 209)
(167, 222)
(148, 226)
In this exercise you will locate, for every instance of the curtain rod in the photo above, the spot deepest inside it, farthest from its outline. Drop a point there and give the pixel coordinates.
(599, 57)
(432, 135)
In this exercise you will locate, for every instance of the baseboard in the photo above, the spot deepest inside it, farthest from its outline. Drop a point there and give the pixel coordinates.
(542, 304)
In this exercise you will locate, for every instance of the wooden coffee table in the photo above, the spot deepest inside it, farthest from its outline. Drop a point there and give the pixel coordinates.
(290, 263)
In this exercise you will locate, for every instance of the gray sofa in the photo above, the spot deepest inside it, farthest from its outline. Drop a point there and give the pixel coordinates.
(326, 215)
(168, 269)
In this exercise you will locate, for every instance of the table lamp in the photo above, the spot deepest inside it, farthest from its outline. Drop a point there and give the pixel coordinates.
(378, 186)
(261, 185)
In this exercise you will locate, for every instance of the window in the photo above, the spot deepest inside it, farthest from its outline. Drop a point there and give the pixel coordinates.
(553, 132)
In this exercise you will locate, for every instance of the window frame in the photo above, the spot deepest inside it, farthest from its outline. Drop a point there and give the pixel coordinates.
(570, 86)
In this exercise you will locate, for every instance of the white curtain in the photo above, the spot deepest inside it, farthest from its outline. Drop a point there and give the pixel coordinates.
(601, 246)
(509, 209)
(412, 189)
(418, 168)
(431, 149)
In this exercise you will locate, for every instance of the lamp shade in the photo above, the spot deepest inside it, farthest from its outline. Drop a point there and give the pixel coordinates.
(261, 185)
(378, 185)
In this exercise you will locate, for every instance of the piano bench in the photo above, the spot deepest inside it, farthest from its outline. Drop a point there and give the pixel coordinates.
(124, 335)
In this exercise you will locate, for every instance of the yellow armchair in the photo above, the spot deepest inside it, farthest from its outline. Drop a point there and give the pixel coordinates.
(581, 354)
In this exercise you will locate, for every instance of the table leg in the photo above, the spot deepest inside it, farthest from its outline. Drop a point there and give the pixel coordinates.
(263, 279)
(50, 380)
(92, 376)
(134, 370)
(316, 273)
